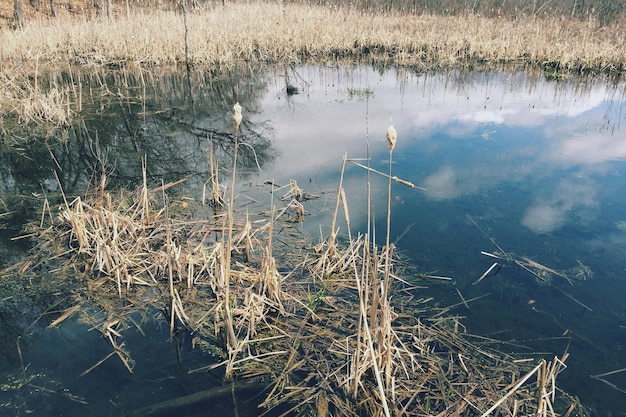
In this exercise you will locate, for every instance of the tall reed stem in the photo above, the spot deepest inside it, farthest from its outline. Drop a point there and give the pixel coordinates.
(385, 307)
(391, 142)
(231, 337)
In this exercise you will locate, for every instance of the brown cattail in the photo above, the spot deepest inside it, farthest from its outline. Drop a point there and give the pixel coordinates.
(391, 137)
(237, 117)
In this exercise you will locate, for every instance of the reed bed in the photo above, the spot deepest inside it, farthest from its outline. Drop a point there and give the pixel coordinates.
(53, 106)
(297, 33)
(333, 325)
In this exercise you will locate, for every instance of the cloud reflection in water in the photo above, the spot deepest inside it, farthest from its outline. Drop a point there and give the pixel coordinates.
(467, 133)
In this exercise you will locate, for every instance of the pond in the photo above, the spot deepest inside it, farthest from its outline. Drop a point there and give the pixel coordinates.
(517, 174)
(509, 162)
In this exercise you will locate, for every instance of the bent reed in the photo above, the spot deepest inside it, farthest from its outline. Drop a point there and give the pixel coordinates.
(295, 33)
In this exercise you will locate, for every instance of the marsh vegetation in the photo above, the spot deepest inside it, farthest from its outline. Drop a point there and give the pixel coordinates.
(332, 324)
(572, 37)
(126, 233)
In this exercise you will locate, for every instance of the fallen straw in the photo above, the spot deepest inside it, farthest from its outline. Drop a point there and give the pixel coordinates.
(487, 272)
(462, 299)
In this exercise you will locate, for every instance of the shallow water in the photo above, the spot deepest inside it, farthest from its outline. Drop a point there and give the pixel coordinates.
(503, 161)
(536, 167)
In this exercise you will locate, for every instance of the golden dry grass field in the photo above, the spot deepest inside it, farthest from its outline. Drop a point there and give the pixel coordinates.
(270, 32)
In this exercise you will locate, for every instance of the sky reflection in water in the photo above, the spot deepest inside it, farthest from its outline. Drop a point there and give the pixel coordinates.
(474, 132)
(536, 165)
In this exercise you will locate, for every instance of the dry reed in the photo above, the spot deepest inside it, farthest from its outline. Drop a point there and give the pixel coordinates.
(34, 106)
(217, 191)
(336, 334)
(294, 33)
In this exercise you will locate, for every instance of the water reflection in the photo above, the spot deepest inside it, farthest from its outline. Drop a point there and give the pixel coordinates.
(461, 134)
(122, 118)
(533, 165)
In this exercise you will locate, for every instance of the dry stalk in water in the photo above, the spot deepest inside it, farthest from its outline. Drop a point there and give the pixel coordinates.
(218, 192)
(233, 345)
(332, 336)
(385, 313)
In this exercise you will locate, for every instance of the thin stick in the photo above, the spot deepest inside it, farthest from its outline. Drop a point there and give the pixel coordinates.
(487, 272)
(610, 384)
(100, 362)
(334, 221)
(19, 353)
(64, 316)
(462, 299)
(617, 371)
(396, 179)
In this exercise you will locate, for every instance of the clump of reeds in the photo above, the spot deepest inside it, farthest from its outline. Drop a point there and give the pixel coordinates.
(335, 334)
(49, 107)
(34, 105)
(298, 33)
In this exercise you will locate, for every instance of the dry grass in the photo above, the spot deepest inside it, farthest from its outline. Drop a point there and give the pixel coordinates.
(33, 106)
(334, 327)
(339, 333)
(241, 33)
(294, 33)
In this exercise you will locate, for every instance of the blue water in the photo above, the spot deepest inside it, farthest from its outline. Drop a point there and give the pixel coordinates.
(536, 166)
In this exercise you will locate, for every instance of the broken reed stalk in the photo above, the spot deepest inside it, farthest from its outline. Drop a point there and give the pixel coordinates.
(145, 203)
(231, 338)
(394, 178)
(493, 267)
(333, 232)
(170, 269)
(217, 194)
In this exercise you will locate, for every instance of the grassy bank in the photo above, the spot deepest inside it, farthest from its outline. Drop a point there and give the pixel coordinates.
(294, 33)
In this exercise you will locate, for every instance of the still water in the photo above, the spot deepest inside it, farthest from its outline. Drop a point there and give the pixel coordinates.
(503, 162)
(510, 162)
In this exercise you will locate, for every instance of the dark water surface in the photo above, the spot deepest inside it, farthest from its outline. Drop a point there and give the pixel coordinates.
(512, 162)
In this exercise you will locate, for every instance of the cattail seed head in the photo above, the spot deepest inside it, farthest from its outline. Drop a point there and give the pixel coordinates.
(391, 137)
(237, 117)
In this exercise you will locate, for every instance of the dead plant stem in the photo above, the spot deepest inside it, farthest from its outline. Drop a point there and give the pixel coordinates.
(231, 337)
